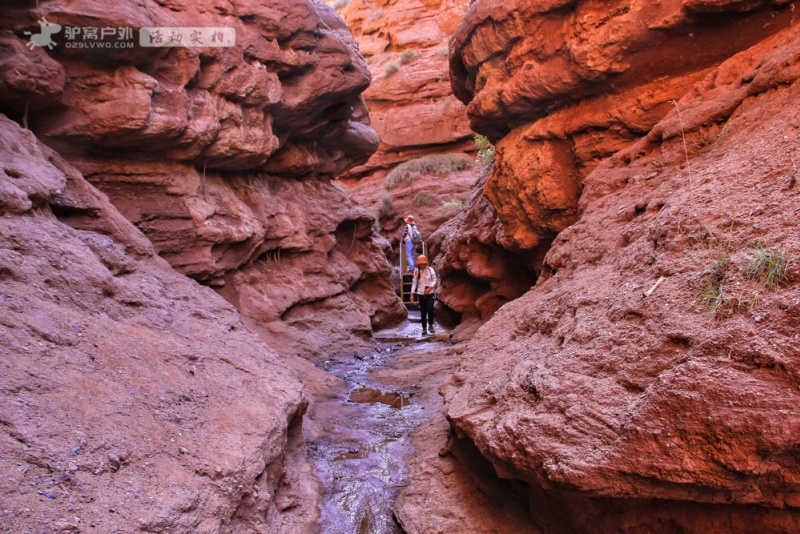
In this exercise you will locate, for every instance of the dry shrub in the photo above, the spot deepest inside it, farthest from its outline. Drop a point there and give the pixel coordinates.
(453, 206)
(408, 56)
(390, 69)
(386, 209)
(436, 164)
(423, 199)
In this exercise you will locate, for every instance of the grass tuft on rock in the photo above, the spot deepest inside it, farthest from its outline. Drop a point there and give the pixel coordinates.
(435, 164)
(485, 148)
(768, 266)
(391, 69)
(714, 296)
(453, 206)
(423, 199)
(386, 209)
(408, 56)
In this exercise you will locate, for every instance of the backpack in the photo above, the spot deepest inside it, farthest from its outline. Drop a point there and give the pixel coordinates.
(416, 237)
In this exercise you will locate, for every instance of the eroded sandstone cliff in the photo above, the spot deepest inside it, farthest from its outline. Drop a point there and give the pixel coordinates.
(405, 43)
(419, 121)
(133, 398)
(214, 152)
(559, 86)
(671, 411)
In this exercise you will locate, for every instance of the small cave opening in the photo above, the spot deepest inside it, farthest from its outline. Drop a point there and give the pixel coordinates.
(290, 78)
(349, 234)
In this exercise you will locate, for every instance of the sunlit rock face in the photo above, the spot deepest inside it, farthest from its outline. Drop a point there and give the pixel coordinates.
(222, 156)
(560, 86)
(623, 411)
(413, 110)
(405, 43)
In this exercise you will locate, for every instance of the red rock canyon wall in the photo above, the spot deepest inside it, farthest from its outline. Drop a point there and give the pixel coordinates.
(413, 110)
(214, 152)
(625, 412)
(134, 398)
(560, 86)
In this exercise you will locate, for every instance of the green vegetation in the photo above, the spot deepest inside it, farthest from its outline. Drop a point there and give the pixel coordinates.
(768, 266)
(714, 296)
(435, 164)
(712, 293)
(408, 56)
(486, 149)
(386, 209)
(377, 15)
(743, 301)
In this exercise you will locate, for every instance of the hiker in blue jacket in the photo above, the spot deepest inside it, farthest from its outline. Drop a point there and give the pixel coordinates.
(411, 238)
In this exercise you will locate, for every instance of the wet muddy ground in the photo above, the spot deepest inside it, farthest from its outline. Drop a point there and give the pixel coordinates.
(363, 442)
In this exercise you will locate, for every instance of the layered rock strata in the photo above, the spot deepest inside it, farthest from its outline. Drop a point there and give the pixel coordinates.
(133, 399)
(405, 43)
(214, 152)
(560, 86)
(648, 380)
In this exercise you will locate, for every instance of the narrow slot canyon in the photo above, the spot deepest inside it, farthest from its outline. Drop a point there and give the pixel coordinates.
(210, 319)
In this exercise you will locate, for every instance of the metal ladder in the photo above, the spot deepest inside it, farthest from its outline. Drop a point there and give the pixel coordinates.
(407, 279)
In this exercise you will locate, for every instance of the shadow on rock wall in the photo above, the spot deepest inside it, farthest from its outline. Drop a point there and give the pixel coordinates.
(215, 153)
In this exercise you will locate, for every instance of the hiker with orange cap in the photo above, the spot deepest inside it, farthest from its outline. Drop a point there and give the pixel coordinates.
(411, 238)
(424, 286)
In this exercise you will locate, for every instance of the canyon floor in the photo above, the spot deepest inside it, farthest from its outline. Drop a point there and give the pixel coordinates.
(383, 452)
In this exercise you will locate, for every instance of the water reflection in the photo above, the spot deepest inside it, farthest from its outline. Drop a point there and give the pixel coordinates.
(360, 457)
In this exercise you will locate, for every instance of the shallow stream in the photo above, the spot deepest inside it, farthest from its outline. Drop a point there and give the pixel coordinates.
(360, 455)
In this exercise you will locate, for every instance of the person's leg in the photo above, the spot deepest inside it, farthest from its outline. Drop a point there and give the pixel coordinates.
(423, 310)
(410, 249)
(429, 304)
